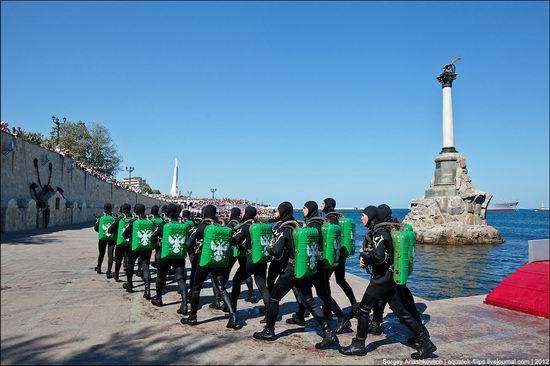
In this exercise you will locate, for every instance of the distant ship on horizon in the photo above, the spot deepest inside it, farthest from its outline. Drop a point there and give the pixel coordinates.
(542, 208)
(503, 206)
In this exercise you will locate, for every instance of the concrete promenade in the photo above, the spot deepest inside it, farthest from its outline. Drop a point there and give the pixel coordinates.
(56, 310)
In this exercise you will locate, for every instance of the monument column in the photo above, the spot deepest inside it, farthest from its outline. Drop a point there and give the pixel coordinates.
(452, 211)
(446, 79)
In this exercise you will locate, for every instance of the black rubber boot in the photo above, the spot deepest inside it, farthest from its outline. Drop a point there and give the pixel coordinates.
(224, 307)
(215, 304)
(296, 319)
(183, 310)
(98, 270)
(109, 274)
(128, 286)
(268, 334)
(190, 320)
(416, 338)
(233, 323)
(157, 301)
(329, 340)
(354, 312)
(251, 295)
(147, 292)
(115, 276)
(425, 347)
(375, 328)
(343, 324)
(356, 348)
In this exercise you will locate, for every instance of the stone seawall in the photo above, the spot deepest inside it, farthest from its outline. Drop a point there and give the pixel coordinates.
(73, 195)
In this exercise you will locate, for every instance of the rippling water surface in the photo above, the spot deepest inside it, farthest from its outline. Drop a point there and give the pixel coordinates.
(453, 271)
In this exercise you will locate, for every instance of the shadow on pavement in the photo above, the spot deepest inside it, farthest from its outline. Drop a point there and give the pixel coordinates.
(120, 348)
(28, 236)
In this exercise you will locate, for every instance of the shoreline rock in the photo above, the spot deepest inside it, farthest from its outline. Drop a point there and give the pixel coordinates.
(452, 211)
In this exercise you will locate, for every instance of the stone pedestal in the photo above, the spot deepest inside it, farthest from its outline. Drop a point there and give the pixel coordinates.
(452, 210)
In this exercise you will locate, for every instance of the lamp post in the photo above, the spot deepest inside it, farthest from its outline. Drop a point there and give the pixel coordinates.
(129, 169)
(213, 190)
(56, 122)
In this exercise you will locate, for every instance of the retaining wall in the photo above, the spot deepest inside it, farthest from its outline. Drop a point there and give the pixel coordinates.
(83, 194)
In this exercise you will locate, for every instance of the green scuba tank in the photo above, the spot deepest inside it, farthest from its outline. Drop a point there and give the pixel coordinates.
(122, 224)
(407, 227)
(260, 236)
(157, 221)
(306, 242)
(332, 235)
(141, 235)
(105, 223)
(174, 235)
(216, 246)
(403, 254)
(347, 227)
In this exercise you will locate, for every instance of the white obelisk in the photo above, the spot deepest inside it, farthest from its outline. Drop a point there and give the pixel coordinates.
(174, 190)
(446, 79)
(448, 128)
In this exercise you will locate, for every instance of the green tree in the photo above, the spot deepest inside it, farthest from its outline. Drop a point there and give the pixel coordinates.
(155, 191)
(74, 137)
(92, 146)
(103, 152)
(34, 137)
(146, 189)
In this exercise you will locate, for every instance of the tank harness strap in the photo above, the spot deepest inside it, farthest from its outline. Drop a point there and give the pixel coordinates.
(247, 222)
(338, 215)
(320, 220)
(293, 223)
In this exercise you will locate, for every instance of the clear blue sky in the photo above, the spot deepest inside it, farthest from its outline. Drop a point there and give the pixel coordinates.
(291, 101)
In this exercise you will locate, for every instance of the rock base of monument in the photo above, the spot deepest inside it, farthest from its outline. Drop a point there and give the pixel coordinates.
(452, 210)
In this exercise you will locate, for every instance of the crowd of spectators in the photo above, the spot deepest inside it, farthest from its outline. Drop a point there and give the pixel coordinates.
(15, 131)
(223, 205)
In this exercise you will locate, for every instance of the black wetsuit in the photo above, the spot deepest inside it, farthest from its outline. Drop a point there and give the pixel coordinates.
(246, 267)
(102, 246)
(379, 258)
(283, 248)
(121, 252)
(194, 244)
(164, 265)
(321, 279)
(340, 270)
(145, 255)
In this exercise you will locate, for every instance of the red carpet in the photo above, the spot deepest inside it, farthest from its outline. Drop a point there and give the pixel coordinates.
(526, 290)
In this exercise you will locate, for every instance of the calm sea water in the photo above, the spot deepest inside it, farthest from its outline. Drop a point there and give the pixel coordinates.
(453, 271)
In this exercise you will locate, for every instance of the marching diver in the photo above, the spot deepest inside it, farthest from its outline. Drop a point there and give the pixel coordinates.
(195, 244)
(283, 246)
(247, 268)
(122, 246)
(234, 221)
(132, 234)
(386, 218)
(378, 258)
(328, 207)
(106, 240)
(164, 264)
(320, 278)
